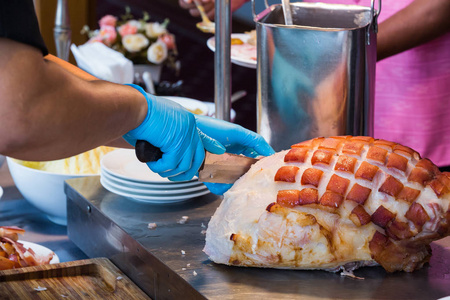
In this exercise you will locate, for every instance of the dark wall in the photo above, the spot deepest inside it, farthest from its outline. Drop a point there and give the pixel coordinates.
(197, 61)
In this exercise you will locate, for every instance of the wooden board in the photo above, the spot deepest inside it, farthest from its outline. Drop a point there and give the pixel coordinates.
(96, 278)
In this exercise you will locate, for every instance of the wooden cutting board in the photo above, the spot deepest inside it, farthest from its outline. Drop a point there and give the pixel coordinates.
(96, 278)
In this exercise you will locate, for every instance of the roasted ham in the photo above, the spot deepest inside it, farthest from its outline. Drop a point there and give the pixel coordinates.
(13, 254)
(333, 203)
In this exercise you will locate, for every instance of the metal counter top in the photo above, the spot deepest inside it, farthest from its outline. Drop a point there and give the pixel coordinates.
(105, 224)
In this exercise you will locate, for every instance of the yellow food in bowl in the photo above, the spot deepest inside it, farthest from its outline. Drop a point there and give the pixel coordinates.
(196, 111)
(81, 164)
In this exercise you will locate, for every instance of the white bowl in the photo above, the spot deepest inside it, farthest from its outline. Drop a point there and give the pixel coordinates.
(44, 190)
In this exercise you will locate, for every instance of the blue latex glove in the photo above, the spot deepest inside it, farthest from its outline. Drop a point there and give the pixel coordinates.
(235, 138)
(173, 129)
(183, 137)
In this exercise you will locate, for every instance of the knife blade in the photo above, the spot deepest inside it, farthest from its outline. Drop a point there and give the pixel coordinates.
(223, 168)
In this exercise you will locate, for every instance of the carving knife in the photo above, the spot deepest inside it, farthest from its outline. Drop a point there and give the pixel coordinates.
(224, 168)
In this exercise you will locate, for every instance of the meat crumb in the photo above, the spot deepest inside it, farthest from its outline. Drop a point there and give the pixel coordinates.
(183, 252)
(350, 274)
(40, 288)
(152, 225)
(183, 220)
(195, 273)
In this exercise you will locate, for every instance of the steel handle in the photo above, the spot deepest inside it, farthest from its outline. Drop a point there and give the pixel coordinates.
(373, 19)
(374, 13)
(372, 7)
(254, 9)
(222, 60)
(62, 32)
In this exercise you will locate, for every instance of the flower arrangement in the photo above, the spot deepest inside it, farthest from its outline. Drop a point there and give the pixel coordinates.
(139, 40)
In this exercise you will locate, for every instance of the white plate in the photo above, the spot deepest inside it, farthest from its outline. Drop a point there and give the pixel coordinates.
(131, 192)
(243, 55)
(212, 110)
(150, 192)
(153, 199)
(40, 250)
(147, 199)
(124, 164)
(194, 106)
(152, 186)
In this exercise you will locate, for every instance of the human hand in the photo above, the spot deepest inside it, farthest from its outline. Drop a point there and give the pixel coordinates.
(209, 6)
(173, 130)
(183, 138)
(236, 139)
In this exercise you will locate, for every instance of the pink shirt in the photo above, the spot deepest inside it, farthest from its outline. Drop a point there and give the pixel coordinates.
(412, 93)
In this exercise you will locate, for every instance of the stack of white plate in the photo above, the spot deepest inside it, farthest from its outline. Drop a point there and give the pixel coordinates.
(122, 173)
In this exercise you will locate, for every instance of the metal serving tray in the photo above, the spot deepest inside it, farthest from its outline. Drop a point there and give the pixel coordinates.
(103, 224)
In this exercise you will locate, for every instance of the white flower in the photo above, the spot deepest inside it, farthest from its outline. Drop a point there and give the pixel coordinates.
(157, 52)
(135, 42)
(136, 23)
(153, 30)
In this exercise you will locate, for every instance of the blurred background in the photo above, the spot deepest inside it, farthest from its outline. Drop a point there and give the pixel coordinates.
(196, 60)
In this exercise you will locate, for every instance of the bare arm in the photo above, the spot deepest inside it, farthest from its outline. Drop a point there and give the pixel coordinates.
(418, 23)
(208, 5)
(48, 113)
(119, 142)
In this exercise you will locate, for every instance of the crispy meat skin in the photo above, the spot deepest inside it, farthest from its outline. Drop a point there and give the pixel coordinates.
(13, 254)
(333, 202)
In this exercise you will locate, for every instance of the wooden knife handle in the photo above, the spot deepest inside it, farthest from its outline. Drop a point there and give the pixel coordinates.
(146, 152)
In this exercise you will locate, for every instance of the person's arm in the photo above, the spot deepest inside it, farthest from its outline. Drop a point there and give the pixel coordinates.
(418, 23)
(119, 142)
(189, 5)
(71, 68)
(49, 113)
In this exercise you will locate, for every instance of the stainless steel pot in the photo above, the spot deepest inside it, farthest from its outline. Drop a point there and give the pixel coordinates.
(317, 76)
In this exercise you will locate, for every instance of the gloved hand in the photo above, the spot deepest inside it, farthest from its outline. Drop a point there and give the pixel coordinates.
(183, 138)
(173, 129)
(236, 139)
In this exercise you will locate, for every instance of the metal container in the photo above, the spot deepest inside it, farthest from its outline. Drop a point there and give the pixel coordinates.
(317, 76)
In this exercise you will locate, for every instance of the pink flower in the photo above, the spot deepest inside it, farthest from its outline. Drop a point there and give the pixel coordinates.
(108, 20)
(127, 28)
(169, 40)
(108, 35)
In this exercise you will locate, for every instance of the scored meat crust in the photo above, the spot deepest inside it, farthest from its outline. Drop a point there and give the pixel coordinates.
(332, 203)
